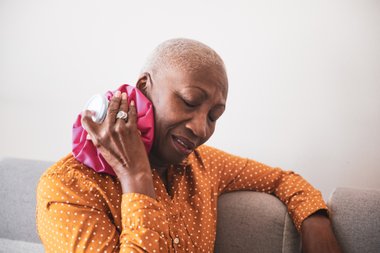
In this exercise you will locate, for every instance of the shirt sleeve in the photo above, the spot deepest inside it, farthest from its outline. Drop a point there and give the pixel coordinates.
(72, 216)
(236, 173)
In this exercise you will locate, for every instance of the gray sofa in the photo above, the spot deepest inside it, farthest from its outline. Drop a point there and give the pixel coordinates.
(247, 221)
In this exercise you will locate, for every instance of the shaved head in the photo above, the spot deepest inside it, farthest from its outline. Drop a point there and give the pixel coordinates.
(183, 54)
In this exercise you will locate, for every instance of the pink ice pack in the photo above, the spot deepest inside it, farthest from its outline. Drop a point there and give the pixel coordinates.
(85, 151)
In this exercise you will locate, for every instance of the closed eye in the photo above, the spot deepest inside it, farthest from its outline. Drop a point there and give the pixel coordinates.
(212, 119)
(215, 114)
(188, 103)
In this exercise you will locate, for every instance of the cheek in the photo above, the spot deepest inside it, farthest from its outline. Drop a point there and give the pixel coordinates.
(164, 116)
(210, 132)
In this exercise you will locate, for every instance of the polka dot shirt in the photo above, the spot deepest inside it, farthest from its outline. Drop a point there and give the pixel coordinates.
(79, 210)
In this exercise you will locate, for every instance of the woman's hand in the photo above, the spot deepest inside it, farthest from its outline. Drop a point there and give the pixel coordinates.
(119, 142)
(317, 235)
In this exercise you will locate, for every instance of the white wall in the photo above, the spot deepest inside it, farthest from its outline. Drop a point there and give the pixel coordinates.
(304, 75)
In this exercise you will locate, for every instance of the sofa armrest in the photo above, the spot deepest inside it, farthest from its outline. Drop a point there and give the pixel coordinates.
(251, 221)
(355, 215)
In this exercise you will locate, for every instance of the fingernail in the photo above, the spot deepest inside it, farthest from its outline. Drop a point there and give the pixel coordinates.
(132, 103)
(117, 93)
(123, 95)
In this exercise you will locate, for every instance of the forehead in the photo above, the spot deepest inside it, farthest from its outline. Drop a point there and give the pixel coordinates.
(212, 80)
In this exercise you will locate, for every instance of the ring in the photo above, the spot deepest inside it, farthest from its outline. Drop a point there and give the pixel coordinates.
(122, 115)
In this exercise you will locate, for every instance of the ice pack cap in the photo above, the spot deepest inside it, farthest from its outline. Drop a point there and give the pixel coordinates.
(83, 148)
(99, 105)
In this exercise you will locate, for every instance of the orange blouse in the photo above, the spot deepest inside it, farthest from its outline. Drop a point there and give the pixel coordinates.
(79, 210)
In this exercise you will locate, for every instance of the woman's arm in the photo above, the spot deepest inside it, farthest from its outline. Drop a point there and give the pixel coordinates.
(236, 173)
(305, 204)
(73, 217)
(76, 214)
(317, 235)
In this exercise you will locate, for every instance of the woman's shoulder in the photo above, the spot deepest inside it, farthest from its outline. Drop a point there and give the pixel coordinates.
(69, 166)
(208, 151)
(207, 154)
(68, 173)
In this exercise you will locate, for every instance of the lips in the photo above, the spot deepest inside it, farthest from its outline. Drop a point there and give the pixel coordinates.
(183, 145)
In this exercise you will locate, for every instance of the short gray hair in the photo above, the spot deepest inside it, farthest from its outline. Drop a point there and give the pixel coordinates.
(184, 54)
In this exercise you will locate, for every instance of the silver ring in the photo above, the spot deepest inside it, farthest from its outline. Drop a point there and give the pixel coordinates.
(122, 115)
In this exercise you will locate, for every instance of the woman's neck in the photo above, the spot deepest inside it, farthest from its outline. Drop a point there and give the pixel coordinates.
(161, 170)
(156, 163)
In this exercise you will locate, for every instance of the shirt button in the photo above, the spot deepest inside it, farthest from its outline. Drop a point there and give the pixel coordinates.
(176, 240)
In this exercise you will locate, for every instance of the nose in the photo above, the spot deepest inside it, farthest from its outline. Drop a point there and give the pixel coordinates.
(198, 125)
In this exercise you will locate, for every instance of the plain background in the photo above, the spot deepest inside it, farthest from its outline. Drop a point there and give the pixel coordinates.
(304, 76)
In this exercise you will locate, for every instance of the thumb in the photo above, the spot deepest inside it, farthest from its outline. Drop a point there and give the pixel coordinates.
(87, 123)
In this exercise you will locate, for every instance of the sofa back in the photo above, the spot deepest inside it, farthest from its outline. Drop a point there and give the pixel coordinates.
(355, 215)
(19, 178)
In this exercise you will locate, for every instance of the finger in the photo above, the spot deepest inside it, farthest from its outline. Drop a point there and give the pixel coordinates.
(123, 107)
(88, 124)
(132, 114)
(113, 108)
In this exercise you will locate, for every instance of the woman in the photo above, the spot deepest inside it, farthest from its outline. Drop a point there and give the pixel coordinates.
(165, 201)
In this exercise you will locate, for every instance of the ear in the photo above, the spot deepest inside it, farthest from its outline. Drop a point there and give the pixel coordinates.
(143, 84)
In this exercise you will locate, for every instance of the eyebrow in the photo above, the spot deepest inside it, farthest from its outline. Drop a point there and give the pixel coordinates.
(205, 95)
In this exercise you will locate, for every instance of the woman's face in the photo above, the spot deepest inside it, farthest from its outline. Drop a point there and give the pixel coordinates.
(186, 108)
